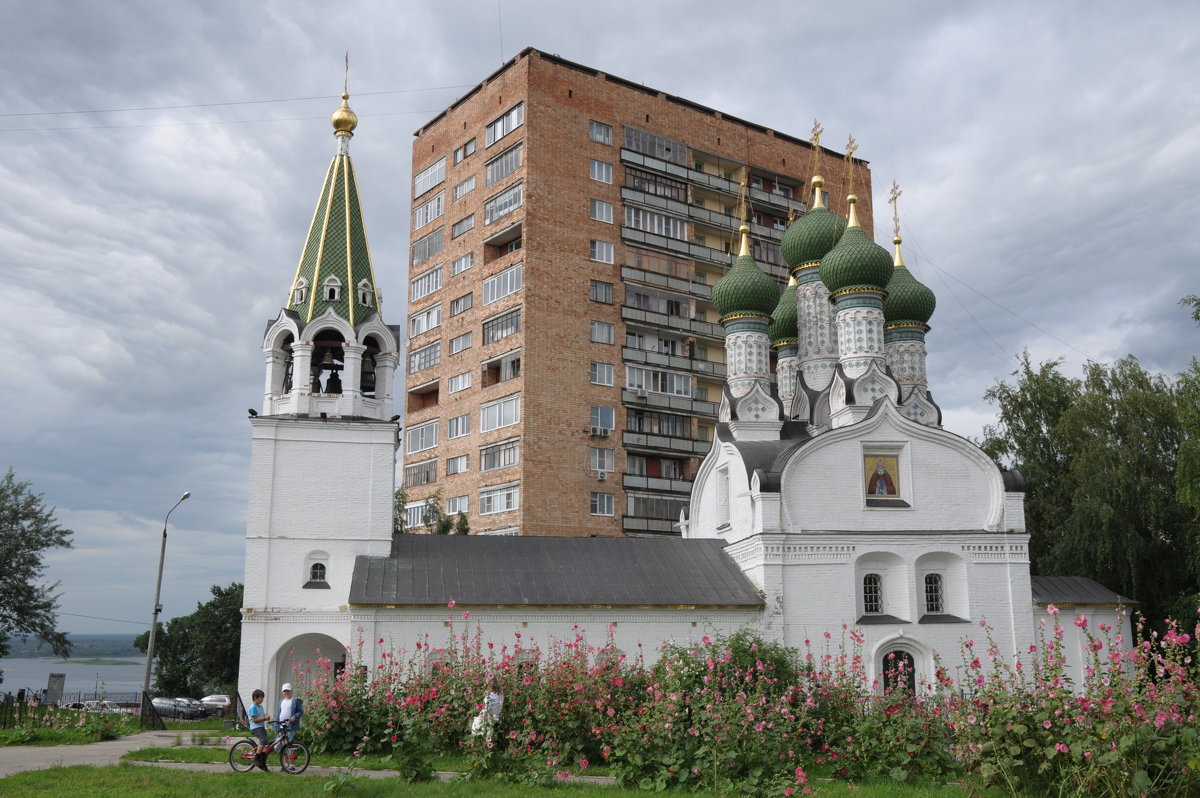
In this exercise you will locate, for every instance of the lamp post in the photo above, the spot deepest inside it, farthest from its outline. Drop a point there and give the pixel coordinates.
(162, 553)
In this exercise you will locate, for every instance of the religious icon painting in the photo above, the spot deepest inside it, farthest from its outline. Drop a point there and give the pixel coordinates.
(881, 480)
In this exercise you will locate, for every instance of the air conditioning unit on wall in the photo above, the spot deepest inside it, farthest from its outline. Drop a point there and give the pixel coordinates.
(601, 476)
(599, 432)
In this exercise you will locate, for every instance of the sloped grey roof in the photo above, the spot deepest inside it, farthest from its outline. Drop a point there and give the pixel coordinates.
(1074, 590)
(541, 571)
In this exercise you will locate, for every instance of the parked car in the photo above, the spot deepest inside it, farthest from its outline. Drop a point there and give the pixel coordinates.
(198, 710)
(174, 708)
(217, 704)
(106, 707)
(77, 706)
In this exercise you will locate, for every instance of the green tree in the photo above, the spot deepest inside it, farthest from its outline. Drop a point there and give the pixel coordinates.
(1194, 302)
(28, 528)
(198, 653)
(1101, 457)
(461, 527)
(434, 518)
(399, 504)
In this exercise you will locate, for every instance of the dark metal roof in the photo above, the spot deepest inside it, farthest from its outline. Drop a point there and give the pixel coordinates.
(1073, 590)
(434, 570)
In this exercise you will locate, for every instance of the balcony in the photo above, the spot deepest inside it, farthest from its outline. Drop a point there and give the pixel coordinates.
(665, 444)
(702, 329)
(662, 401)
(715, 182)
(633, 524)
(694, 365)
(658, 484)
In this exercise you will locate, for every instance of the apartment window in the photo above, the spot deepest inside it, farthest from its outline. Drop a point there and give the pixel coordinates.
(459, 382)
(462, 304)
(600, 210)
(651, 506)
(426, 212)
(501, 369)
(421, 437)
(500, 455)
(414, 514)
(600, 291)
(458, 426)
(653, 343)
(604, 417)
(502, 284)
(701, 393)
(459, 343)
(457, 504)
(420, 474)
(657, 381)
(658, 185)
(601, 251)
(460, 265)
(934, 600)
(600, 132)
(600, 170)
(600, 459)
(655, 223)
(502, 326)
(425, 284)
(660, 467)
(504, 124)
(602, 374)
(425, 248)
(502, 204)
(424, 357)
(502, 165)
(462, 226)
(668, 424)
(756, 181)
(872, 595)
(464, 188)
(499, 500)
(658, 302)
(602, 332)
(501, 413)
(429, 177)
(601, 504)
(656, 146)
(464, 151)
(424, 321)
(456, 465)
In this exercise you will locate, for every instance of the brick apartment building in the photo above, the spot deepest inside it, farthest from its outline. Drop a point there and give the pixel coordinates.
(564, 361)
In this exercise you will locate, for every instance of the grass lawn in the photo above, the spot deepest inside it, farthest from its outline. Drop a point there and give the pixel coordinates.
(451, 763)
(121, 781)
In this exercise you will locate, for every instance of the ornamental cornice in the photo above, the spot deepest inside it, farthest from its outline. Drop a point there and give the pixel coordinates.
(745, 316)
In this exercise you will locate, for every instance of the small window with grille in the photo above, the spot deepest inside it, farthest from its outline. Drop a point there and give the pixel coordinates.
(872, 595)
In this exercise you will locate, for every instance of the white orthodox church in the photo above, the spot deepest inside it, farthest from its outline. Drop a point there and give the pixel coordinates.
(832, 497)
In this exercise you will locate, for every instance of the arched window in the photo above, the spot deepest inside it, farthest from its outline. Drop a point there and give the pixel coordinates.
(899, 671)
(333, 289)
(365, 295)
(934, 601)
(872, 594)
(300, 291)
(317, 572)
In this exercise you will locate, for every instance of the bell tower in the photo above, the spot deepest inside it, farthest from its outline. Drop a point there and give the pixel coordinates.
(323, 458)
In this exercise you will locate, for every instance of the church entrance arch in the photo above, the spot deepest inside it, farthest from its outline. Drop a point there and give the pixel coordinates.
(902, 662)
(306, 659)
(898, 670)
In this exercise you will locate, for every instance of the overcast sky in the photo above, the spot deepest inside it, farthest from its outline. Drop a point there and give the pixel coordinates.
(1049, 155)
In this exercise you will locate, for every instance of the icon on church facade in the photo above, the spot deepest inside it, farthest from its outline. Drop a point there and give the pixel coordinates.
(881, 476)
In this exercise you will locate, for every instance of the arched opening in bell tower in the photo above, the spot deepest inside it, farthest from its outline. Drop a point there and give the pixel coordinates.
(329, 359)
(367, 380)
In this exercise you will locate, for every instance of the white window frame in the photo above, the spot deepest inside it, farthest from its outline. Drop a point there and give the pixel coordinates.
(458, 426)
(502, 284)
(462, 225)
(600, 291)
(460, 343)
(429, 177)
(508, 495)
(459, 382)
(501, 326)
(600, 211)
(602, 416)
(464, 188)
(425, 283)
(458, 504)
(421, 437)
(601, 251)
(458, 465)
(424, 320)
(503, 165)
(504, 124)
(671, 383)
(465, 151)
(600, 171)
(425, 357)
(601, 373)
(606, 330)
(504, 454)
(602, 504)
(600, 132)
(427, 211)
(504, 203)
(462, 304)
(462, 263)
(331, 291)
(429, 245)
(601, 459)
(500, 413)
(426, 469)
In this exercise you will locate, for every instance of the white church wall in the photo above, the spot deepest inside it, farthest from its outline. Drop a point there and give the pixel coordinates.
(277, 647)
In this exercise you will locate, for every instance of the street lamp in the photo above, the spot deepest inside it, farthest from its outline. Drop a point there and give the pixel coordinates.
(157, 607)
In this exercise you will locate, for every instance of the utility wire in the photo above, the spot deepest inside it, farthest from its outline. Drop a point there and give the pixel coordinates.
(98, 618)
(200, 124)
(238, 102)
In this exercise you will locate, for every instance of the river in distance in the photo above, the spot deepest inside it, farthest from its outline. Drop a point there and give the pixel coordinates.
(115, 675)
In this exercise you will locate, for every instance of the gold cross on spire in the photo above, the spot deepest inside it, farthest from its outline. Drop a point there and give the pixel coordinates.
(851, 148)
(346, 84)
(815, 137)
(894, 201)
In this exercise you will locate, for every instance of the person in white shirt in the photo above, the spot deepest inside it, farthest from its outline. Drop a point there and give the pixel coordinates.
(290, 710)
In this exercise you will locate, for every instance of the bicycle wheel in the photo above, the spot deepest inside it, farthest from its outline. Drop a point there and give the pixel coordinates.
(293, 758)
(241, 755)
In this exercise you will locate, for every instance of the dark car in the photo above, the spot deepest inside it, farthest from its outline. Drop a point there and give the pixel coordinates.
(174, 708)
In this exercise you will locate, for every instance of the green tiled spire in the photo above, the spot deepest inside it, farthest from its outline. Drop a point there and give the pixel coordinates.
(336, 245)
(909, 302)
(745, 290)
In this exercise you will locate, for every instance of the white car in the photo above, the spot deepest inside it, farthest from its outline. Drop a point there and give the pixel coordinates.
(217, 704)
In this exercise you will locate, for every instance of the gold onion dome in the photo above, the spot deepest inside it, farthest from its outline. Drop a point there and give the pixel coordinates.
(745, 290)
(344, 120)
(810, 237)
(857, 263)
(784, 324)
(908, 301)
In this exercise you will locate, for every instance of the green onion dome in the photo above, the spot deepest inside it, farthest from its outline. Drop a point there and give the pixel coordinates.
(783, 329)
(908, 301)
(745, 290)
(810, 237)
(856, 262)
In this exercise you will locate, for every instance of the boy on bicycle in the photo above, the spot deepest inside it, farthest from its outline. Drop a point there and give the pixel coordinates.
(258, 721)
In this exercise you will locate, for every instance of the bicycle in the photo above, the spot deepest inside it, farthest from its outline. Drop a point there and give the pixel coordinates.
(293, 754)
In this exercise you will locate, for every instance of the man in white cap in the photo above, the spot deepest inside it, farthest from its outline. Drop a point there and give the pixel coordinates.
(290, 710)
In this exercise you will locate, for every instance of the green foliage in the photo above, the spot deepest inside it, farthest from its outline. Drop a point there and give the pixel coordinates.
(1194, 302)
(199, 653)
(53, 726)
(434, 518)
(1110, 463)
(461, 527)
(28, 529)
(399, 503)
